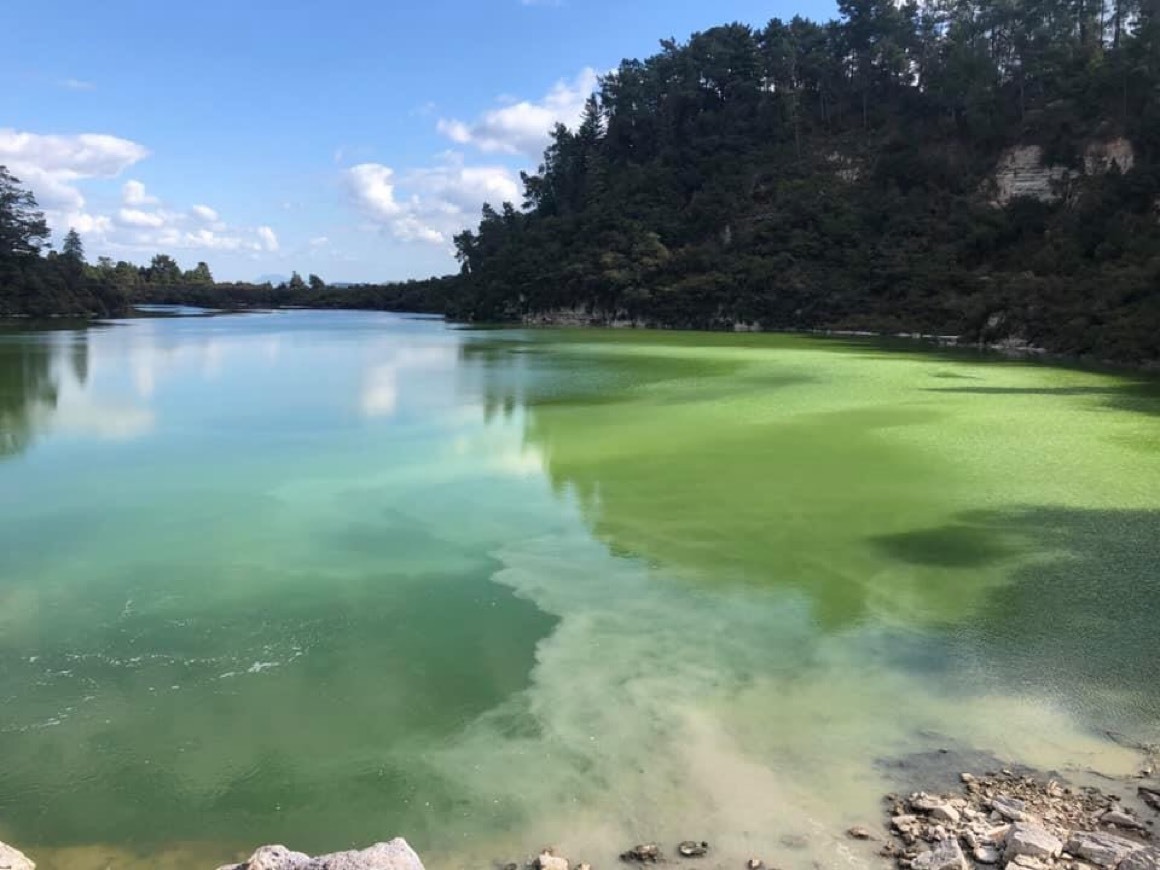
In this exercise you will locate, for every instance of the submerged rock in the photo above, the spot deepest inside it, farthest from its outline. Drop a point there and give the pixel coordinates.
(644, 853)
(693, 849)
(14, 859)
(395, 855)
(859, 833)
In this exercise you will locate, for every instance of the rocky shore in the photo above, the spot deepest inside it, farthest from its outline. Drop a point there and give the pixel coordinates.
(1009, 820)
(998, 819)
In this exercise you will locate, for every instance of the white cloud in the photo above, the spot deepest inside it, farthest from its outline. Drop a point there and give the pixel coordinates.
(523, 127)
(372, 185)
(51, 165)
(436, 201)
(268, 238)
(54, 167)
(77, 85)
(134, 217)
(133, 193)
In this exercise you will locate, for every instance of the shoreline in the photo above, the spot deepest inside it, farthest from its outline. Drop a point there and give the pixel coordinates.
(1013, 818)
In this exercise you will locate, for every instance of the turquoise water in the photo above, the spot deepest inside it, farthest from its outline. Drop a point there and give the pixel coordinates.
(322, 578)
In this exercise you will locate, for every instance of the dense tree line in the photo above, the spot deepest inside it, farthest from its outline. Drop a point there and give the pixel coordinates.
(840, 175)
(36, 280)
(431, 296)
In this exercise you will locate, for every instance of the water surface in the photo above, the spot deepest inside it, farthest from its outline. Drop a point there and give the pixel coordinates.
(321, 578)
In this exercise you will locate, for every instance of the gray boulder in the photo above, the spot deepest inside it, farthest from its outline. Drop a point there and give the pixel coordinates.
(14, 859)
(1033, 841)
(946, 855)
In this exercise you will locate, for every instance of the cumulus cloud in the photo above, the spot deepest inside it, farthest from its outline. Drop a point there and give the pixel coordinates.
(135, 217)
(204, 213)
(430, 204)
(523, 127)
(133, 193)
(52, 164)
(268, 238)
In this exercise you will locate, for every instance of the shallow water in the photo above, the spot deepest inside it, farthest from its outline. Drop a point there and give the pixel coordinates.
(324, 578)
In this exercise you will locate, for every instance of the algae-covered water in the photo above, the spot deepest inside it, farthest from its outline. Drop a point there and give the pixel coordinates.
(324, 578)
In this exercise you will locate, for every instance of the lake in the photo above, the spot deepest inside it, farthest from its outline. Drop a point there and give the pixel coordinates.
(321, 578)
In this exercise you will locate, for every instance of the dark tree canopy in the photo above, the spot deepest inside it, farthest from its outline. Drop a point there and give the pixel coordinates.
(22, 227)
(73, 247)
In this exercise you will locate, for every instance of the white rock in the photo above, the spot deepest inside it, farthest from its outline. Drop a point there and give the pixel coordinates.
(986, 855)
(1120, 819)
(946, 855)
(1032, 841)
(395, 855)
(548, 861)
(275, 858)
(1009, 808)
(14, 859)
(904, 823)
(1106, 850)
(945, 813)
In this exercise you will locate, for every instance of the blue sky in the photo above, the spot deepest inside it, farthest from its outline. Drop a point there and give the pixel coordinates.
(350, 138)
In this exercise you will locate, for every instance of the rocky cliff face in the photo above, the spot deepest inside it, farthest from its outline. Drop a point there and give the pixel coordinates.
(1021, 170)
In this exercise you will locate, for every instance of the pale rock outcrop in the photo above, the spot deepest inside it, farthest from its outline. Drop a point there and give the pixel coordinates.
(395, 855)
(1022, 172)
(14, 859)
(1101, 157)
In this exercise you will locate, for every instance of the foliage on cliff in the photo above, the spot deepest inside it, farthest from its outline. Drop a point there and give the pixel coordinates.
(841, 175)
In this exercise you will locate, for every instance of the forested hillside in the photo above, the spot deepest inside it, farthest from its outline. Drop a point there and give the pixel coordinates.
(983, 168)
